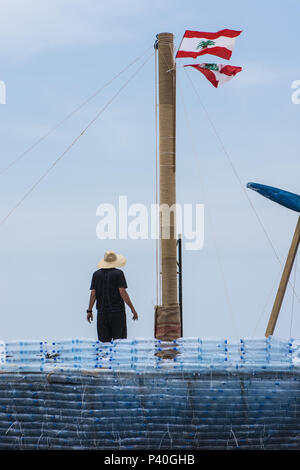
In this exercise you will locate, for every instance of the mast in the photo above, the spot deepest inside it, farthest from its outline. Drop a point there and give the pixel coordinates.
(167, 315)
(291, 201)
(284, 281)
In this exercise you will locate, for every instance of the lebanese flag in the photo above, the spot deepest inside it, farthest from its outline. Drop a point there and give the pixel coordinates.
(217, 74)
(195, 43)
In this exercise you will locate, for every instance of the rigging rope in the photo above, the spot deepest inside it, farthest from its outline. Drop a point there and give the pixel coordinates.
(223, 277)
(43, 176)
(66, 118)
(157, 252)
(237, 177)
(266, 304)
(227, 296)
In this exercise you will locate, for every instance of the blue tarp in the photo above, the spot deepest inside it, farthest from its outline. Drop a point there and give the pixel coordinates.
(284, 198)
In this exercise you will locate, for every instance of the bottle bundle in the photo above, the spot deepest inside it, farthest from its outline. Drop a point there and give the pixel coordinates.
(190, 393)
(146, 355)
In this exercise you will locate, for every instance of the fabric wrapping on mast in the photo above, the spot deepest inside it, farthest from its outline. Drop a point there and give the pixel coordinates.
(167, 315)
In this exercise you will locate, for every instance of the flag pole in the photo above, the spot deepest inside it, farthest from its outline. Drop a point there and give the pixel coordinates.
(167, 315)
(284, 281)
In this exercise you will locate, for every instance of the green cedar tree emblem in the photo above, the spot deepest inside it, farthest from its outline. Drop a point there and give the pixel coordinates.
(211, 67)
(205, 44)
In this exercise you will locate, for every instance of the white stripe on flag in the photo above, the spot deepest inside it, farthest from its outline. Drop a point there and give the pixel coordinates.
(190, 44)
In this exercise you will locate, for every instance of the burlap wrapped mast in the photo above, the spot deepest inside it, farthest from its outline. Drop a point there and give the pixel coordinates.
(167, 322)
(167, 315)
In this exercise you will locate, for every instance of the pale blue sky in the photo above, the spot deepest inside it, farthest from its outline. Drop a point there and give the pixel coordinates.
(53, 55)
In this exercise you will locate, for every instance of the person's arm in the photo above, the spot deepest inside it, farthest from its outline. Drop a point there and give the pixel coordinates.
(126, 298)
(92, 301)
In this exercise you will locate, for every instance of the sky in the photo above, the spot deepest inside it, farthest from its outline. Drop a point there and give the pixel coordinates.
(54, 55)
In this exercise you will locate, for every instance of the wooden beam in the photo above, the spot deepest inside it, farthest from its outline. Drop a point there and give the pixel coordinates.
(167, 315)
(284, 281)
(167, 162)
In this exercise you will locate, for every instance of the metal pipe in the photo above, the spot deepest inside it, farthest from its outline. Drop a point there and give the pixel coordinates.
(179, 246)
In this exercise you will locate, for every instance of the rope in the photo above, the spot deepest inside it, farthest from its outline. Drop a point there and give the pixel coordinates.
(156, 188)
(223, 277)
(43, 176)
(43, 137)
(238, 178)
(265, 305)
(211, 223)
(231, 163)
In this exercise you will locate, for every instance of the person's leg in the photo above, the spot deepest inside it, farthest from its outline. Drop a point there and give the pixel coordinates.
(118, 325)
(103, 328)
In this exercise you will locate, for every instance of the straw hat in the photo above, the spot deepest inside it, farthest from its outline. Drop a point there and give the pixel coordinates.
(112, 260)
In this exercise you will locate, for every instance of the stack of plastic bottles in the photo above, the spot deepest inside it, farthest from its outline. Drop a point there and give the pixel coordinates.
(143, 355)
(146, 394)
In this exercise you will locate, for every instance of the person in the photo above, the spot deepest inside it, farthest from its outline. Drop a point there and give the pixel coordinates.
(108, 290)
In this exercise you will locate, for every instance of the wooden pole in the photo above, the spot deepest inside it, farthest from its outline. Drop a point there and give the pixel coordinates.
(284, 281)
(167, 315)
(167, 164)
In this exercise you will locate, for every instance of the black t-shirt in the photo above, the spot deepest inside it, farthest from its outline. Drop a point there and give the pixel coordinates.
(106, 283)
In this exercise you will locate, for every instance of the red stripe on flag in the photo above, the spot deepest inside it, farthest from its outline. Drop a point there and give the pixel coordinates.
(230, 33)
(218, 51)
(230, 70)
(208, 74)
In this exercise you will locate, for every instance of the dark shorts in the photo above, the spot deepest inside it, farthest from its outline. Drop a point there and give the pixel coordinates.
(111, 325)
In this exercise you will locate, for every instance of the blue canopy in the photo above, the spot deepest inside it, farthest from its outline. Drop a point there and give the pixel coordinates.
(284, 198)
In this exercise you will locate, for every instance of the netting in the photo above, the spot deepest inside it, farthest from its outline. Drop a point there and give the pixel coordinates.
(146, 394)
